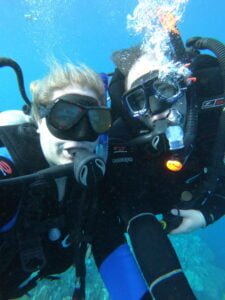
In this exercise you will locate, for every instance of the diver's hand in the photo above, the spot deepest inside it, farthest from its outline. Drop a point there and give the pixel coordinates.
(192, 220)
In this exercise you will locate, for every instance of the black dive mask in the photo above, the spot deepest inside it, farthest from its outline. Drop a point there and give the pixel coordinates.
(159, 108)
(76, 117)
(152, 95)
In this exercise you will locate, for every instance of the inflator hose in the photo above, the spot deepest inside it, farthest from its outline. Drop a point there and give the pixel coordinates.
(8, 62)
(51, 172)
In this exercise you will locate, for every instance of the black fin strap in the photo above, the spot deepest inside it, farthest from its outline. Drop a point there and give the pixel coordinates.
(30, 245)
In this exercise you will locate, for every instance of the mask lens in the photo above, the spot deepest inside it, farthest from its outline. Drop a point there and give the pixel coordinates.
(136, 101)
(76, 117)
(100, 119)
(166, 90)
(65, 115)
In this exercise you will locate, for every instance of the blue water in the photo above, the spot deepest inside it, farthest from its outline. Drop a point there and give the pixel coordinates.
(83, 31)
(89, 31)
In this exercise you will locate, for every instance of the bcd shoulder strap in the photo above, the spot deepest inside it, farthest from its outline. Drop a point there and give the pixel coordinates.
(23, 144)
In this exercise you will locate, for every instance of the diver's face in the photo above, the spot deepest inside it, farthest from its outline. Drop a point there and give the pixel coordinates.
(149, 99)
(142, 66)
(58, 151)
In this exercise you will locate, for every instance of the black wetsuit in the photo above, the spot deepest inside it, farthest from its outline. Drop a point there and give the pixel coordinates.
(29, 212)
(31, 230)
(136, 182)
(141, 186)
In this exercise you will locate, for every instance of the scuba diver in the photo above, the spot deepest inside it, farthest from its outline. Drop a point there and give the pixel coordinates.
(167, 146)
(49, 214)
(52, 159)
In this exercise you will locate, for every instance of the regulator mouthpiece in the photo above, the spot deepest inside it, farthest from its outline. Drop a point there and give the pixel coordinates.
(89, 168)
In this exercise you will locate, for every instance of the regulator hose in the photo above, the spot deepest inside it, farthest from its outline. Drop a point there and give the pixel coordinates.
(8, 62)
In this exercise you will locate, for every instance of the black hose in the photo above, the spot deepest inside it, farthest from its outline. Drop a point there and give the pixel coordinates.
(51, 172)
(215, 46)
(140, 139)
(8, 62)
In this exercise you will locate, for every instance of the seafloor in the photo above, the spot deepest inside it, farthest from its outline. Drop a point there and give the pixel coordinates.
(206, 277)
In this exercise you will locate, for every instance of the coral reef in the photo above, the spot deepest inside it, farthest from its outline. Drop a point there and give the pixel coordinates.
(198, 262)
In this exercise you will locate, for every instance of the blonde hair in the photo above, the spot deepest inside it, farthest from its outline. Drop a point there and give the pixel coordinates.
(60, 77)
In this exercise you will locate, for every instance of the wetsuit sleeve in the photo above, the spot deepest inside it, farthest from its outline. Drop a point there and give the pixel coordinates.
(213, 206)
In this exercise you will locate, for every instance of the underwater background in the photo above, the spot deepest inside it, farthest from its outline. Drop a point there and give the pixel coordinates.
(87, 31)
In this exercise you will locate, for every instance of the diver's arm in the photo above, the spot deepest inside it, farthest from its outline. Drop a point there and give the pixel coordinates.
(192, 220)
(204, 212)
(214, 208)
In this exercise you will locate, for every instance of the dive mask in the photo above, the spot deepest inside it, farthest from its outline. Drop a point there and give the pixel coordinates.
(76, 117)
(156, 109)
(151, 95)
